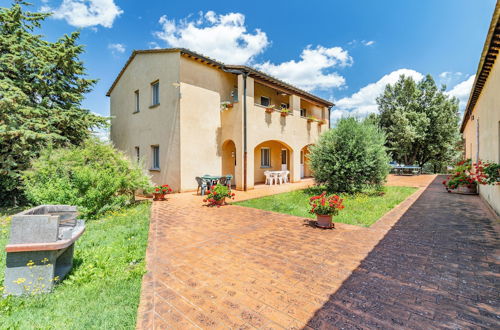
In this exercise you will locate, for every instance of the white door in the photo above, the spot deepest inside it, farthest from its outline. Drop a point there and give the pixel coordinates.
(301, 164)
(284, 159)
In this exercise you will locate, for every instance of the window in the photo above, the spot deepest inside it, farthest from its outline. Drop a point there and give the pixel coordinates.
(136, 96)
(137, 154)
(156, 157)
(265, 157)
(155, 93)
(303, 112)
(265, 101)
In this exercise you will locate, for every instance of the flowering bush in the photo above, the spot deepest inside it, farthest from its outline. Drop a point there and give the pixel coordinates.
(217, 194)
(163, 189)
(326, 205)
(467, 173)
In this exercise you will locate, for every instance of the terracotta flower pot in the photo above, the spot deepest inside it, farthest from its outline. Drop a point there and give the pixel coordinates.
(284, 114)
(269, 110)
(324, 221)
(220, 202)
(158, 196)
(310, 120)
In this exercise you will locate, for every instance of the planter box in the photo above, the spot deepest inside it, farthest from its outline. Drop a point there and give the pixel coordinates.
(465, 190)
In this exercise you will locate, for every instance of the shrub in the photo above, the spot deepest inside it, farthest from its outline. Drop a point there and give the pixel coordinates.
(350, 157)
(95, 177)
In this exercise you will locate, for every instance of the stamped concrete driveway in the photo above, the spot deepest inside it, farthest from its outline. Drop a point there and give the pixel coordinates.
(430, 262)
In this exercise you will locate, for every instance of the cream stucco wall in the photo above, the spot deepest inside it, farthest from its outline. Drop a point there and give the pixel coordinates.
(203, 88)
(486, 122)
(190, 128)
(158, 125)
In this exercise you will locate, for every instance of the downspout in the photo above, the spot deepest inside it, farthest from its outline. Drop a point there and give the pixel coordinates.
(330, 117)
(245, 75)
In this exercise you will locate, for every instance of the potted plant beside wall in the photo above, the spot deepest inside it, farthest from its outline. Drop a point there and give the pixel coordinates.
(160, 192)
(325, 207)
(217, 195)
(467, 176)
(225, 105)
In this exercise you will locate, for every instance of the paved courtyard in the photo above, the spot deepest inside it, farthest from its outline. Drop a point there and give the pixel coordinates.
(431, 262)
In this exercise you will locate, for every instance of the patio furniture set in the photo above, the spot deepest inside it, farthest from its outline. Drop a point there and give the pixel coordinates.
(273, 177)
(405, 169)
(207, 180)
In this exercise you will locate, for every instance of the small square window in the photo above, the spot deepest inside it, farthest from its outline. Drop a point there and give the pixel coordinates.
(265, 157)
(155, 93)
(303, 112)
(136, 99)
(265, 101)
(155, 164)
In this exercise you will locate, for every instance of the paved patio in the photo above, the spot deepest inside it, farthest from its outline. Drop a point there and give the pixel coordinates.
(430, 262)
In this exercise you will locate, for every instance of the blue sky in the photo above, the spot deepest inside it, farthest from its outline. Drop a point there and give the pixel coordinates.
(345, 51)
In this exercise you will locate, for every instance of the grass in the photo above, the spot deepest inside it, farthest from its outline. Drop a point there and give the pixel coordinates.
(103, 289)
(362, 209)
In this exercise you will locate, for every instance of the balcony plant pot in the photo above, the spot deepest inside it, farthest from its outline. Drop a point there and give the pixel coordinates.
(269, 110)
(324, 221)
(310, 120)
(159, 196)
(284, 114)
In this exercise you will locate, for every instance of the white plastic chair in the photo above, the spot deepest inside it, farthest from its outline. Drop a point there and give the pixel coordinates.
(286, 176)
(268, 177)
(273, 178)
(279, 177)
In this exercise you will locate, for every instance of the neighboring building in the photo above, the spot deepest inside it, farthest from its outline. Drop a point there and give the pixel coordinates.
(166, 111)
(481, 123)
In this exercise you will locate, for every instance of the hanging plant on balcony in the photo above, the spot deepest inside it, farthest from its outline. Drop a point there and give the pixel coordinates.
(270, 108)
(310, 119)
(226, 105)
(284, 112)
(322, 122)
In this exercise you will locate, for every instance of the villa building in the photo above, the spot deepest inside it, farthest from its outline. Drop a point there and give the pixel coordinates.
(184, 115)
(481, 123)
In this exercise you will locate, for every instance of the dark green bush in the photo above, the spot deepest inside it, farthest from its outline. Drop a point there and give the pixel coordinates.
(95, 176)
(350, 157)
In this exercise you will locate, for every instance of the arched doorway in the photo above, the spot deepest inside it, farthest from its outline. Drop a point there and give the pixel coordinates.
(305, 170)
(229, 159)
(272, 155)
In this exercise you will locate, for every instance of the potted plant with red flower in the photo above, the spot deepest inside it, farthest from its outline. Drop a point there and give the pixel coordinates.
(325, 207)
(321, 122)
(310, 119)
(466, 177)
(217, 195)
(159, 192)
(284, 112)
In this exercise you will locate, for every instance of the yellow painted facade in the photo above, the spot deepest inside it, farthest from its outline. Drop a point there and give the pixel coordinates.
(482, 132)
(194, 136)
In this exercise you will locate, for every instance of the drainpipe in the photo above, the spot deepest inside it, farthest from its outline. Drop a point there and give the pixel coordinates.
(245, 75)
(329, 116)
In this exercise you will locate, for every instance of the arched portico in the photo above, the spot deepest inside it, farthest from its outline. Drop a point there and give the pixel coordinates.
(271, 155)
(229, 160)
(305, 170)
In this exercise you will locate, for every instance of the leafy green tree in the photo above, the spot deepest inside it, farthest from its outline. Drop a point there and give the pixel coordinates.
(93, 176)
(42, 85)
(350, 157)
(420, 121)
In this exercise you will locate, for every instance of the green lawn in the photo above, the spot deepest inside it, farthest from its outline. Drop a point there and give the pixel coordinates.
(361, 209)
(102, 292)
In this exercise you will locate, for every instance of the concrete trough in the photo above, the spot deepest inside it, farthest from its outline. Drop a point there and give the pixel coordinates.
(40, 248)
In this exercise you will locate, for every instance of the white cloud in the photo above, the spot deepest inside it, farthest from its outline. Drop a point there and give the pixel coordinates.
(363, 102)
(223, 37)
(450, 78)
(117, 48)
(461, 91)
(368, 43)
(313, 70)
(86, 13)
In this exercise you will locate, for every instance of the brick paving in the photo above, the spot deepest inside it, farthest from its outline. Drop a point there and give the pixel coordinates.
(430, 262)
